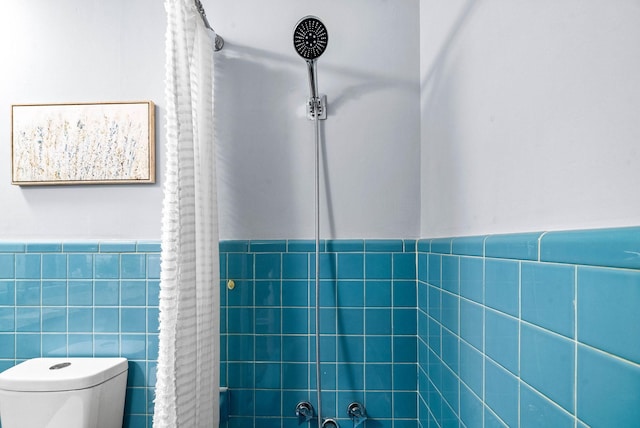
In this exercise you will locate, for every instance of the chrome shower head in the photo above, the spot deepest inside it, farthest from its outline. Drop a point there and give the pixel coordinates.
(310, 38)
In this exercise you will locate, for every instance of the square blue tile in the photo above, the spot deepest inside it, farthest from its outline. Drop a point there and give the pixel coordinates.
(350, 320)
(377, 293)
(404, 265)
(471, 278)
(153, 266)
(7, 319)
(268, 320)
(378, 377)
(268, 375)
(107, 293)
(471, 323)
(351, 349)
(405, 377)
(268, 266)
(378, 265)
(80, 266)
(537, 411)
(27, 319)
(608, 393)
(8, 345)
(501, 339)
(54, 266)
(240, 320)
(450, 312)
(28, 293)
(295, 321)
(295, 266)
(240, 266)
(295, 293)
(435, 269)
(133, 320)
(404, 406)
(435, 302)
(377, 321)
(28, 345)
(450, 390)
(451, 274)
(268, 348)
(502, 285)
(7, 266)
(451, 351)
(350, 377)
(107, 266)
(106, 320)
(28, 266)
(501, 393)
(547, 364)
(378, 349)
(295, 348)
(350, 265)
(133, 293)
(80, 319)
(242, 294)
(54, 293)
(134, 346)
(548, 294)
(471, 367)
(54, 319)
(405, 349)
(404, 294)
(80, 293)
(350, 293)
(7, 292)
(54, 345)
(268, 293)
(607, 310)
(133, 266)
(470, 407)
(241, 375)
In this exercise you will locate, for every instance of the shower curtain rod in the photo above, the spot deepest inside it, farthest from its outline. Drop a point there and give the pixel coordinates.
(219, 40)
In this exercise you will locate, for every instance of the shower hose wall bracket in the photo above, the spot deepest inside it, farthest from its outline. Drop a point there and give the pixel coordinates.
(317, 106)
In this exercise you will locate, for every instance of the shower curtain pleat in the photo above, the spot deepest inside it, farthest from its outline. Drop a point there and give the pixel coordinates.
(187, 385)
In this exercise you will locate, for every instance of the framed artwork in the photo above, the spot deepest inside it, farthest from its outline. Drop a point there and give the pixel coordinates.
(83, 143)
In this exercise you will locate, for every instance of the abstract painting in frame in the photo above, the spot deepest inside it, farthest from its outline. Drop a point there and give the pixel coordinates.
(83, 143)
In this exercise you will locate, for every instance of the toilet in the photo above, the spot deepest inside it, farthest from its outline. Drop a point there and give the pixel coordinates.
(64, 393)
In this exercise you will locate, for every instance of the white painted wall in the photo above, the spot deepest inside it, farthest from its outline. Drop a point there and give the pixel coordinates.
(371, 140)
(79, 50)
(530, 115)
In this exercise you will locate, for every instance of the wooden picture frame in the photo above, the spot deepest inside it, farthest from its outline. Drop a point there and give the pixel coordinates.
(83, 143)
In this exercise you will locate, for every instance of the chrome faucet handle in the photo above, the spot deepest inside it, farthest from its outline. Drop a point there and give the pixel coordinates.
(304, 412)
(357, 413)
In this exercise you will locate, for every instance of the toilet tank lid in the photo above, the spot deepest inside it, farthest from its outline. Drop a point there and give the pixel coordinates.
(61, 374)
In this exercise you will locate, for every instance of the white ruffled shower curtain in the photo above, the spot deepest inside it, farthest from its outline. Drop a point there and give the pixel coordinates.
(187, 385)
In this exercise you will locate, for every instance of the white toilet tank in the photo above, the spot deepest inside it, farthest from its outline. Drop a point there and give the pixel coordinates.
(64, 393)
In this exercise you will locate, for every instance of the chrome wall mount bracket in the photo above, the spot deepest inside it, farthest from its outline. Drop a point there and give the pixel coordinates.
(317, 106)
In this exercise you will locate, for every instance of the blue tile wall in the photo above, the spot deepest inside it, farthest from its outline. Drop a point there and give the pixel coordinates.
(84, 299)
(548, 330)
(531, 329)
(368, 330)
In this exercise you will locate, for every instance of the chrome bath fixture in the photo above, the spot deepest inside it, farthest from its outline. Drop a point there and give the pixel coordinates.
(357, 413)
(304, 412)
(310, 40)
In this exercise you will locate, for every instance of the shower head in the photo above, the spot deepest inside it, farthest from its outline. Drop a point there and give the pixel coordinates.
(310, 38)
